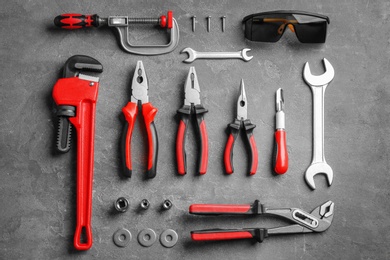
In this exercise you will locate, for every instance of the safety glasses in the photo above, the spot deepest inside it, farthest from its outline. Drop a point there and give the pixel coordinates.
(270, 26)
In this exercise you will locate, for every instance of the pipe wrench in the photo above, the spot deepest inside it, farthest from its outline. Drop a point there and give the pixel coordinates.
(75, 95)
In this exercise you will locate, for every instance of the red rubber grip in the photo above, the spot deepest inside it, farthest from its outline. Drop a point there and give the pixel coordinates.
(281, 160)
(149, 112)
(180, 153)
(170, 19)
(210, 236)
(254, 154)
(205, 148)
(228, 155)
(219, 208)
(74, 21)
(130, 112)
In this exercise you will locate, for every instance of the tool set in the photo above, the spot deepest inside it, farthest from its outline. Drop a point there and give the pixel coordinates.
(75, 95)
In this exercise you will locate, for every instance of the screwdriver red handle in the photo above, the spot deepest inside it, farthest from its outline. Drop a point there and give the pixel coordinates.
(281, 153)
(229, 234)
(83, 96)
(76, 21)
(130, 112)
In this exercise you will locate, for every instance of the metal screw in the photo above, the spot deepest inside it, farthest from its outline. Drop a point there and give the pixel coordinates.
(223, 23)
(208, 23)
(145, 204)
(167, 204)
(121, 204)
(91, 83)
(193, 22)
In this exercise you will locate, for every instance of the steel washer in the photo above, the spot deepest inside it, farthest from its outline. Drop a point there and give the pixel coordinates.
(142, 237)
(118, 237)
(169, 243)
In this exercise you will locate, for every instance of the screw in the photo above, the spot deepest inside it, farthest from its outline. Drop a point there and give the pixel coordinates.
(208, 23)
(145, 204)
(223, 23)
(167, 204)
(91, 83)
(121, 204)
(193, 22)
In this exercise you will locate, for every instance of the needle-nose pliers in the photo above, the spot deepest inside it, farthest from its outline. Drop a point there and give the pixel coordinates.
(139, 94)
(192, 105)
(241, 120)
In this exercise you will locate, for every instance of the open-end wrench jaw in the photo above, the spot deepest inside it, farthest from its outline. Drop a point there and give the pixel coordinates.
(191, 55)
(245, 55)
(80, 63)
(320, 80)
(317, 168)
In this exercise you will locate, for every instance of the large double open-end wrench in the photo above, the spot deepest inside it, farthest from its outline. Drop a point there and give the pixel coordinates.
(75, 95)
(318, 86)
(193, 55)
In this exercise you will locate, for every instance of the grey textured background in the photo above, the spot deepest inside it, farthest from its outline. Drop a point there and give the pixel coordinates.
(38, 185)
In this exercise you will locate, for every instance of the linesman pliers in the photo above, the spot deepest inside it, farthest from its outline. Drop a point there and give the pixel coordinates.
(139, 94)
(318, 220)
(234, 129)
(192, 105)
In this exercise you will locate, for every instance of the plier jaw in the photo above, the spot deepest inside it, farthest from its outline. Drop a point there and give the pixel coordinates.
(139, 85)
(192, 105)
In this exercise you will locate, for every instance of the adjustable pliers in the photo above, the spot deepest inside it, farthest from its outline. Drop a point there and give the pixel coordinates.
(139, 94)
(318, 220)
(234, 129)
(192, 105)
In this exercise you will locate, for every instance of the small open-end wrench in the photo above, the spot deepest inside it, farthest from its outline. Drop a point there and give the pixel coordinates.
(318, 85)
(193, 55)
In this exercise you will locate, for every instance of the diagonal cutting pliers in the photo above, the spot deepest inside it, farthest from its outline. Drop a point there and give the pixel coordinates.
(241, 120)
(318, 220)
(139, 95)
(192, 105)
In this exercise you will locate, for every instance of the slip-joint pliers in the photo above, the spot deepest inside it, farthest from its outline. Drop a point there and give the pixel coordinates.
(318, 220)
(139, 94)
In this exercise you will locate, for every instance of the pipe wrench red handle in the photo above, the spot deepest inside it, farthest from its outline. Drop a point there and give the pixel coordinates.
(75, 95)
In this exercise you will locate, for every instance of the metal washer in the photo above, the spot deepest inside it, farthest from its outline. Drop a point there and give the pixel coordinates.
(169, 243)
(118, 237)
(142, 237)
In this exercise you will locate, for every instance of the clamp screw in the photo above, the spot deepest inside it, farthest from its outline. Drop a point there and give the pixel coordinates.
(167, 204)
(145, 204)
(121, 204)
(208, 23)
(193, 22)
(223, 23)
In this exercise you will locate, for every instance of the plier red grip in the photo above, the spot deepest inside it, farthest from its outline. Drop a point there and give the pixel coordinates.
(192, 105)
(139, 94)
(241, 120)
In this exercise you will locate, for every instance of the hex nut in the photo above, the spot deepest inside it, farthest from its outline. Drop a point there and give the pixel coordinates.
(121, 204)
(167, 204)
(145, 204)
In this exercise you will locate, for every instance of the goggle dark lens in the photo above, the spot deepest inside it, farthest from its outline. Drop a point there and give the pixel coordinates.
(271, 26)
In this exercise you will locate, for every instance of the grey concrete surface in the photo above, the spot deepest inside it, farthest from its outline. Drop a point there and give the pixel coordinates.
(37, 186)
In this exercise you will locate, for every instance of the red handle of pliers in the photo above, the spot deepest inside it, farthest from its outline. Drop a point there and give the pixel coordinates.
(219, 209)
(76, 21)
(216, 234)
(130, 112)
(281, 155)
(180, 146)
(82, 95)
(228, 154)
(149, 112)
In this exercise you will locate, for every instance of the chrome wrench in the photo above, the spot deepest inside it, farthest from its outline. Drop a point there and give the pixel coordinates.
(318, 86)
(193, 55)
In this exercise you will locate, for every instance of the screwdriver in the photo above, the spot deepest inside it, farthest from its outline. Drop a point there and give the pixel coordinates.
(280, 148)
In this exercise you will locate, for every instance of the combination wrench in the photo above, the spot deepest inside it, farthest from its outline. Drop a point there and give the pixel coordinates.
(193, 55)
(318, 86)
